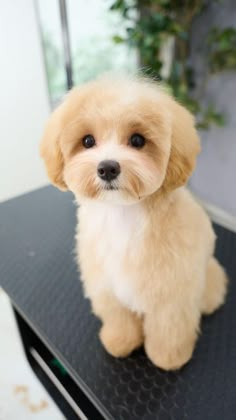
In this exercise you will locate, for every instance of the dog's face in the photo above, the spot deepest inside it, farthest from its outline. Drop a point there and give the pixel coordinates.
(119, 141)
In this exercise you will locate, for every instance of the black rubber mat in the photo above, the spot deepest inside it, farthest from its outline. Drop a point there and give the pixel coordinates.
(38, 271)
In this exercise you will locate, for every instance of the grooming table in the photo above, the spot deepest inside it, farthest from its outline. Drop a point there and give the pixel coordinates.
(60, 335)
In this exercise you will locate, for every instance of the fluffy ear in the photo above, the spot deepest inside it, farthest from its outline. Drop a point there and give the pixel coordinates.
(50, 149)
(185, 146)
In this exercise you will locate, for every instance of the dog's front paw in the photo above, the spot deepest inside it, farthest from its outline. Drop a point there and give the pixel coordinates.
(169, 359)
(120, 343)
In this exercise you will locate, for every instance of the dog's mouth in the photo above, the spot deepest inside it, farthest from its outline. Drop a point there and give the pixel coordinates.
(110, 187)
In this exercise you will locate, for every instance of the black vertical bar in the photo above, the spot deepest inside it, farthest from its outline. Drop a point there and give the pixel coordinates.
(66, 43)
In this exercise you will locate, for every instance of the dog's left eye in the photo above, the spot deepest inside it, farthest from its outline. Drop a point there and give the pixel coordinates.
(88, 141)
(137, 141)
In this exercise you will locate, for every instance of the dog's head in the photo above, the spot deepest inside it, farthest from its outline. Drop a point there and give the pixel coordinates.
(119, 141)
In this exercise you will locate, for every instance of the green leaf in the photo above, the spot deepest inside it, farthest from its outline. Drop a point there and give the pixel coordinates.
(118, 39)
(118, 4)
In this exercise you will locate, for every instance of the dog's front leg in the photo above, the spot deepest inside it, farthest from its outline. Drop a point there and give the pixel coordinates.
(170, 334)
(122, 331)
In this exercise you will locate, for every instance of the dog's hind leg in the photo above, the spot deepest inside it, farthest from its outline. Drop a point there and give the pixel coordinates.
(215, 288)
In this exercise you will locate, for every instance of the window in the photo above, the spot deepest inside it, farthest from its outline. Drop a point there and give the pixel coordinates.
(90, 26)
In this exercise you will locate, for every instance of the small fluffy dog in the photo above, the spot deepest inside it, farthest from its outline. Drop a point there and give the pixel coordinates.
(125, 148)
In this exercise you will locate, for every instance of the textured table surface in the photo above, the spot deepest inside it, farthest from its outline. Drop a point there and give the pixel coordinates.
(38, 271)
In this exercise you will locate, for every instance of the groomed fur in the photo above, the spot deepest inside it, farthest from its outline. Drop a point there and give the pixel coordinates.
(146, 247)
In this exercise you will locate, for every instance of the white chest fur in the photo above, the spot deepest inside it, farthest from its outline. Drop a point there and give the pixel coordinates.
(118, 233)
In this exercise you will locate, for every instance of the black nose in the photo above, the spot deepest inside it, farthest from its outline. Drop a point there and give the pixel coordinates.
(108, 170)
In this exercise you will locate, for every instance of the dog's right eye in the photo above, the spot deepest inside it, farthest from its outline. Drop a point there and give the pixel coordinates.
(137, 141)
(88, 141)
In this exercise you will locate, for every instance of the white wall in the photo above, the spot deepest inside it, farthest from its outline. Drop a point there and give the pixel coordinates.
(24, 103)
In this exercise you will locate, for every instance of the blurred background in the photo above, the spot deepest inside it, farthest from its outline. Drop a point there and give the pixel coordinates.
(47, 46)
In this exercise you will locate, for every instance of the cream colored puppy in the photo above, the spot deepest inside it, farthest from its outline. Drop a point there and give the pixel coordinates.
(145, 247)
